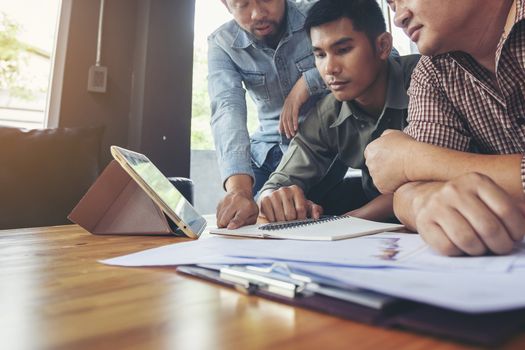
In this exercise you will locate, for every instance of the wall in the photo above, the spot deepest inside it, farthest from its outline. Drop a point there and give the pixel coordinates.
(206, 179)
(147, 47)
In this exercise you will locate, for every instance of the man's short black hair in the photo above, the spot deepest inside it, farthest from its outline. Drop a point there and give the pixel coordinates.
(366, 15)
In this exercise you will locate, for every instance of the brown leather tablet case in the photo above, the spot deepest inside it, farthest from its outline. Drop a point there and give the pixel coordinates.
(115, 204)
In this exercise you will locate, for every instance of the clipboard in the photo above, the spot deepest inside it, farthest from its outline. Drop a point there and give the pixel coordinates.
(488, 329)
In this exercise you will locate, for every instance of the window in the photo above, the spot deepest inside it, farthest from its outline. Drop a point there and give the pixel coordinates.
(401, 42)
(27, 39)
(209, 15)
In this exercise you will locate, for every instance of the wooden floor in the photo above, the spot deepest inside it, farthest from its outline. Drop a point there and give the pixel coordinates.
(55, 295)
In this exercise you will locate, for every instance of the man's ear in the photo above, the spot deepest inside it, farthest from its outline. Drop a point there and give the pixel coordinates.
(384, 45)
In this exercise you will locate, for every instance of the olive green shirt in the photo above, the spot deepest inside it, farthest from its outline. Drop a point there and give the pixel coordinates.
(341, 129)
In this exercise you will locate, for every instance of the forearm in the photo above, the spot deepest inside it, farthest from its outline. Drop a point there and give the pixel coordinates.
(378, 209)
(232, 143)
(228, 114)
(409, 198)
(433, 163)
(307, 159)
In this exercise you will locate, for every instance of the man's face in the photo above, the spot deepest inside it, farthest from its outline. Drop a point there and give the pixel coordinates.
(262, 18)
(436, 26)
(346, 59)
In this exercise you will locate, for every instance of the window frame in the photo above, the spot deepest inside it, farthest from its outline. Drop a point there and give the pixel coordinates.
(58, 63)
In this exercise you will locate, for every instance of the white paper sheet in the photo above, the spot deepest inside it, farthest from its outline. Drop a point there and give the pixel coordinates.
(381, 250)
(473, 292)
(205, 251)
(519, 263)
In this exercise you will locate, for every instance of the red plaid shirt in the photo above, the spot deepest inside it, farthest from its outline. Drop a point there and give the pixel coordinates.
(455, 103)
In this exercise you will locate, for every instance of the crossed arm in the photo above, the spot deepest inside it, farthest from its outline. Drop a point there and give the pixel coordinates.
(459, 202)
(408, 160)
(470, 214)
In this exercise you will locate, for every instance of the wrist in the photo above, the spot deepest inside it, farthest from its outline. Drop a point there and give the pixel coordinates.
(411, 198)
(407, 163)
(240, 192)
(239, 184)
(406, 203)
(300, 90)
(304, 93)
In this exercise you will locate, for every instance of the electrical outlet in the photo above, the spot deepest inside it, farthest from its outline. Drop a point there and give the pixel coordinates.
(97, 79)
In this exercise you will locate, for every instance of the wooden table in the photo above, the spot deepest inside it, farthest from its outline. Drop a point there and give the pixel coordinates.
(55, 295)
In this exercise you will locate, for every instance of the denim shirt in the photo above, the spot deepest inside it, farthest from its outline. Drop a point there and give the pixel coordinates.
(237, 63)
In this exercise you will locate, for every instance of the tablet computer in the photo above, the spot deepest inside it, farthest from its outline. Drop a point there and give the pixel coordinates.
(161, 191)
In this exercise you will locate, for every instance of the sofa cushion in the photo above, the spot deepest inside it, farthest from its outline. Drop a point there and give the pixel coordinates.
(44, 173)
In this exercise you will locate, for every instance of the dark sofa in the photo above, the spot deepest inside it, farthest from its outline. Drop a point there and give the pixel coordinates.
(44, 173)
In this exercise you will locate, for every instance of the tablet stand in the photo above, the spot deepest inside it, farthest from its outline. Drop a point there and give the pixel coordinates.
(116, 204)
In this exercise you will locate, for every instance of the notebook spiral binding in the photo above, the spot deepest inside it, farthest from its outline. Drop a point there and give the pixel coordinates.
(298, 223)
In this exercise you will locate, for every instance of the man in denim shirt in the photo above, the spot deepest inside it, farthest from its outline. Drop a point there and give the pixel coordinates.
(265, 51)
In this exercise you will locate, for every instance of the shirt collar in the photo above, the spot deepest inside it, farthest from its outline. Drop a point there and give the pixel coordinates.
(294, 23)
(521, 11)
(520, 15)
(396, 94)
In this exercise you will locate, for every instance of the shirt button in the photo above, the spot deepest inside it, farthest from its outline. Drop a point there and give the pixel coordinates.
(520, 121)
(362, 125)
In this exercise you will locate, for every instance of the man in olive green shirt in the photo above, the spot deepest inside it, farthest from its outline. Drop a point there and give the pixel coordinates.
(368, 96)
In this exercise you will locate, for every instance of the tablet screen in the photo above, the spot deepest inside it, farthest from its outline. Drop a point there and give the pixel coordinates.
(164, 190)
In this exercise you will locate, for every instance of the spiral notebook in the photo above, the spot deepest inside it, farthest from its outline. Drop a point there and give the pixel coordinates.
(325, 229)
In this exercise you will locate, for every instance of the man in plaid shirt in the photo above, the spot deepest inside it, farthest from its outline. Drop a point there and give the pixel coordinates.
(458, 171)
